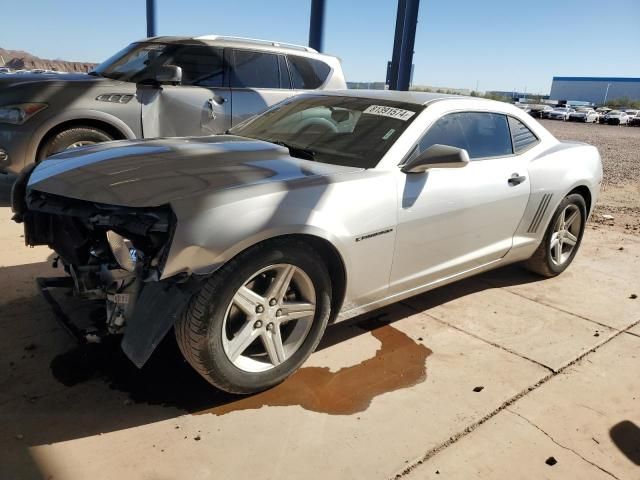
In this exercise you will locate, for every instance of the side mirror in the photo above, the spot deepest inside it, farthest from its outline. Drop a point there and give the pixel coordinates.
(169, 74)
(437, 156)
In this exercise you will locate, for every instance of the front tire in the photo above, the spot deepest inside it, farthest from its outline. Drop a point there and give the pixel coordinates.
(258, 318)
(562, 238)
(72, 138)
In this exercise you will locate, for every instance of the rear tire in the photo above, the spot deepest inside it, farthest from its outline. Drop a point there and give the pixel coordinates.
(243, 337)
(67, 139)
(561, 241)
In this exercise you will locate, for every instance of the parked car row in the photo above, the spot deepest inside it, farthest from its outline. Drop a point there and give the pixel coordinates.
(601, 115)
(620, 117)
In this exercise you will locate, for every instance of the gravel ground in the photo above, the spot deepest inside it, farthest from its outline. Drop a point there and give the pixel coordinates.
(619, 147)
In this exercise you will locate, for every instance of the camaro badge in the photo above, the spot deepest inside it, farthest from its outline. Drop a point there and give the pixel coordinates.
(374, 234)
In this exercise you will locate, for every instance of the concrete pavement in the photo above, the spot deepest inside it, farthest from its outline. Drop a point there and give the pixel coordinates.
(488, 378)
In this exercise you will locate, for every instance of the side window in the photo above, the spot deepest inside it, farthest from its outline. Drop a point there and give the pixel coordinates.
(446, 131)
(200, 65)
(481, 134)
(307, 73)
(522, 137)
(255, 70)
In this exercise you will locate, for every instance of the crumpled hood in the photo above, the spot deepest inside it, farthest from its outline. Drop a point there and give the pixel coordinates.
(145, 173)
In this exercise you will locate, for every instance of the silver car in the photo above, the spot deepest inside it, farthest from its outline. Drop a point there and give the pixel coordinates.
(560, 113)
(586, 115)
(158, 87)
(616, 117)
(326, 206)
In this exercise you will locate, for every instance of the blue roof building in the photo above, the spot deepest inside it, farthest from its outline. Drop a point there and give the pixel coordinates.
(596, 90)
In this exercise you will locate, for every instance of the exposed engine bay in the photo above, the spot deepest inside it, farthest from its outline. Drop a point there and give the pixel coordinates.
(110, 252)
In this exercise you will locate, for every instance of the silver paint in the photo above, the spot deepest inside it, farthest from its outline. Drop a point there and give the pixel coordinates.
(445, 224)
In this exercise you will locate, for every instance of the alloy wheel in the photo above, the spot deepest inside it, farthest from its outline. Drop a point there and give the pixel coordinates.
(565, 235)
(269, 318)
(81, 143)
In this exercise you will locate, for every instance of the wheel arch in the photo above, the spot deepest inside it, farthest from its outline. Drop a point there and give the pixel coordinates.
(97, 119)
(110, 129)
(335, 264)
(329, 253)
(585, 193)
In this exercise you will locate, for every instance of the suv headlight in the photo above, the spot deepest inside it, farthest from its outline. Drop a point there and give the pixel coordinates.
(20, 113)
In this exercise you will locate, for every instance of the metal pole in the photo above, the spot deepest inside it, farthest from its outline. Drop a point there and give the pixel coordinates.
(397, 45)
(408, 43)
(605, 94)
(316, 24)
(151, 18)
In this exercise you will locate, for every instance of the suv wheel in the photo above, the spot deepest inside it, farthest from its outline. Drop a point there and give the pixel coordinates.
(72, 138)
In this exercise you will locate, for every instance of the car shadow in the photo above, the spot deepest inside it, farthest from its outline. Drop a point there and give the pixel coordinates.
(94, 388)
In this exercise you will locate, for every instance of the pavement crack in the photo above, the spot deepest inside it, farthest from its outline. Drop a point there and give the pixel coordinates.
(457, 436)
(561, 445)
(484, 340)
(559, 309)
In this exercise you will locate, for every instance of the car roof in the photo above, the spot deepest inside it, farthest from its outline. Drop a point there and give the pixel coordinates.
(237, 42)
(417, 98)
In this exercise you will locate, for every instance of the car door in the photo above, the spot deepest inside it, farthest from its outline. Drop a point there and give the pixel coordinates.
(258, 80)
(451, 220)
(200, 105)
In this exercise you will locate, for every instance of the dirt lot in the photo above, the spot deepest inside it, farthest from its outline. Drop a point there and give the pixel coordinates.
(619, 147)
(500, 376)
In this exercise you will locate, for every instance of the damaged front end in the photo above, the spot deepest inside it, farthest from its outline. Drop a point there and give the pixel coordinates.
(114, 254)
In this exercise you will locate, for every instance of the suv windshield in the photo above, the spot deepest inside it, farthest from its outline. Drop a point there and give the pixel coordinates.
(346, 131)
(201, 64)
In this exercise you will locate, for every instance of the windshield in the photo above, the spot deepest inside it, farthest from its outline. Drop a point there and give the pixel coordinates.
(200, 64)
(346, 131)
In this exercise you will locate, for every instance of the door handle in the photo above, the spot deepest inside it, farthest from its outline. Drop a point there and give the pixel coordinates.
(217, 99)
(516, 179)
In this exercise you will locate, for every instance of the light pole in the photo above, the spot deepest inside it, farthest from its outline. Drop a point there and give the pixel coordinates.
(316, 24)
(605, 94)
(151, 18)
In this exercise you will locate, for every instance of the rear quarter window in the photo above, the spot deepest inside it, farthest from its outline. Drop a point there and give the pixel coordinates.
(307, 73)
(523, 138)
(255, 70)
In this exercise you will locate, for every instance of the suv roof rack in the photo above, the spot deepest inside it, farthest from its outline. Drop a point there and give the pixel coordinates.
(256, 41)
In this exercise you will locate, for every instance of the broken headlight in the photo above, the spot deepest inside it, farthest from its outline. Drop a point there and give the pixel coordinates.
(124, 253)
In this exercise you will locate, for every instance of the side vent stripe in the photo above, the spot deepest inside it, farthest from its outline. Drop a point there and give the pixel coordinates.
(542, 208)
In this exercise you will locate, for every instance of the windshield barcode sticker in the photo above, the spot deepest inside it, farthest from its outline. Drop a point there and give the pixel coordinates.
(391, 112)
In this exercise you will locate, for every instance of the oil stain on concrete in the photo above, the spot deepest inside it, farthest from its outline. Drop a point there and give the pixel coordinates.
(167, 380)
(399, 362)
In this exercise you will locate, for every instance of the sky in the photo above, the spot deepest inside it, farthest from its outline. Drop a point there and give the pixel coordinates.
(490, 45)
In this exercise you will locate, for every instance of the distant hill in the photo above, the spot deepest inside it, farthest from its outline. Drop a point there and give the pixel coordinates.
(17, 60)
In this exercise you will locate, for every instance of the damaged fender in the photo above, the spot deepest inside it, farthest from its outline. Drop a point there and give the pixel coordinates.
(160, 304)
